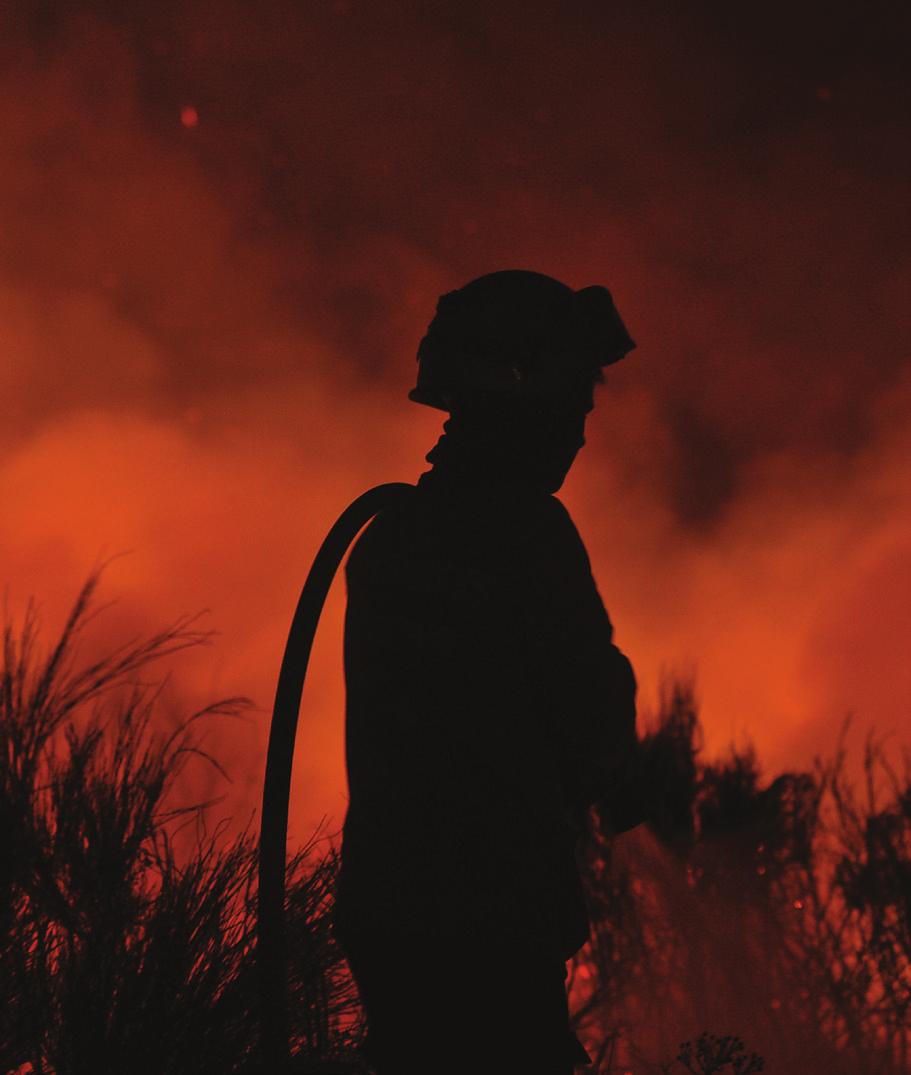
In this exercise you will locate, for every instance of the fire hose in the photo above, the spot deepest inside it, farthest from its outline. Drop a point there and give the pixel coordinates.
(271, 951)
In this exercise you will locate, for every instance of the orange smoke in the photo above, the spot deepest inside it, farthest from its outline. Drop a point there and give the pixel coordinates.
(209, 310)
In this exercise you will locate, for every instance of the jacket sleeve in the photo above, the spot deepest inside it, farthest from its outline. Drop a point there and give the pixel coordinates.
(592, 688)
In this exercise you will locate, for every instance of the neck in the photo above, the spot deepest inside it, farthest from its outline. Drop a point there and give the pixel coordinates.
(494, 451)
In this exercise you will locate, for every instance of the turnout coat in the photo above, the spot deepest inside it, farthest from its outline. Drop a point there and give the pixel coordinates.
(487, 707)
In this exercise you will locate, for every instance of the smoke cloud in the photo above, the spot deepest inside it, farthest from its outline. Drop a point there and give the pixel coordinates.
(225, 230)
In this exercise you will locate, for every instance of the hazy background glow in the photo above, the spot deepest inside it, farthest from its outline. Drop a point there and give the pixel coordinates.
(225, 229)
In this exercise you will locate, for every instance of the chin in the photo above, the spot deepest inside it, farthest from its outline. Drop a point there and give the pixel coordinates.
(556, 480)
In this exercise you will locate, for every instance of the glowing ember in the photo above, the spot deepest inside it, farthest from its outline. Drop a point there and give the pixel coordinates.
(189, 117)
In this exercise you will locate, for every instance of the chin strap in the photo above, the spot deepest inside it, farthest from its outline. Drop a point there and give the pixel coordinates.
(271, 952)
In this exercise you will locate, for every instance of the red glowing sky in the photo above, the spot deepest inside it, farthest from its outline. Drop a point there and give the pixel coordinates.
(226, 227)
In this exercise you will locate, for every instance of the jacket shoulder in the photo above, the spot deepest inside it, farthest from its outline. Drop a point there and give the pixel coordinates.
(385, 535)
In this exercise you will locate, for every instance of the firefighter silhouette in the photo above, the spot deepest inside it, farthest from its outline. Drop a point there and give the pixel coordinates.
(487, 705)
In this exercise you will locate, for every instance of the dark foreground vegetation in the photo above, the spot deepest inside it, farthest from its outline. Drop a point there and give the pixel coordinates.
(781, 910)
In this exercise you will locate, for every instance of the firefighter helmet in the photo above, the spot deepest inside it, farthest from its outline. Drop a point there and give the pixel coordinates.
(520, 333)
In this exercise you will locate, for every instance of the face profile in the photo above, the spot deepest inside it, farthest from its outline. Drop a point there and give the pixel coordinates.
(513, 357)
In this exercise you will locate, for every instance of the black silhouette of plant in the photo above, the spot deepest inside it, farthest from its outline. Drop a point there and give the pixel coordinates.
(712, 1054)
(117, 953)
(120, 952)
(794, 897)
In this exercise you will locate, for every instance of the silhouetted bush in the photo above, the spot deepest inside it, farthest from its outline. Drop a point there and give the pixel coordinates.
(712, 1054)
(117, 954)
(785, 906)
